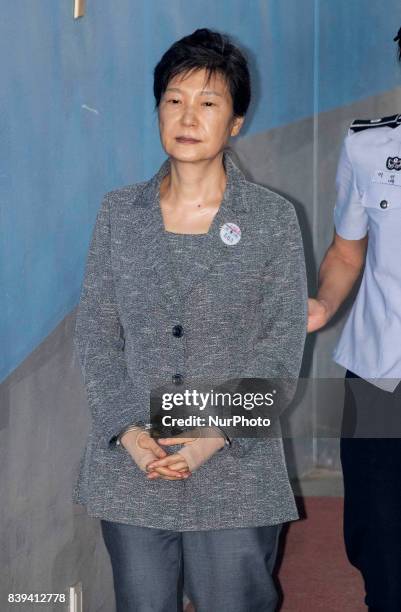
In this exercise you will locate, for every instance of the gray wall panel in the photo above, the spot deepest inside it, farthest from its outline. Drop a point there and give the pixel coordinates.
(48, 543)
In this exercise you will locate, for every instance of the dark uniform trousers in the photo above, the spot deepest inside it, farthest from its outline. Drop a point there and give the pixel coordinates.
(371, 464)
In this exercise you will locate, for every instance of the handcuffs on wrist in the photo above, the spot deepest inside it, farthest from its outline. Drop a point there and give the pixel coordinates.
(143, 426)
(148, 426)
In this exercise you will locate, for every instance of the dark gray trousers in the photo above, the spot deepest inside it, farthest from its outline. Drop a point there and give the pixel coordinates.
(221, 570)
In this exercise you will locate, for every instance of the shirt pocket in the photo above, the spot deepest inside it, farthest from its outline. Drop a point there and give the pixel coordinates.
(382, 198)
(382, 204)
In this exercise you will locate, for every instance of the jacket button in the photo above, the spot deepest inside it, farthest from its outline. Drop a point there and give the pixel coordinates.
(177, 379)
(383, 204)
(178, 331)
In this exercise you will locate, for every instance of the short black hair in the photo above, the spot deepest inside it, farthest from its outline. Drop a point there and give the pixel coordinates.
(216, 53)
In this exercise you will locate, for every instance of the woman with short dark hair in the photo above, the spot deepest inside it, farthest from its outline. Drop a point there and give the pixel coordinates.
(213, 52)
(196, 274)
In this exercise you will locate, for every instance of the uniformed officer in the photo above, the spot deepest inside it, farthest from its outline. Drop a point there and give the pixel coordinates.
(367, 219)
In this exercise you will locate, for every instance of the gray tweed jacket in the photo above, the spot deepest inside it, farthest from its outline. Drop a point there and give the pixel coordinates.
(243, 315)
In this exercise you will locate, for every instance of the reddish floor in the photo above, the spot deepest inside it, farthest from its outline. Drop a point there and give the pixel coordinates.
(314, 573)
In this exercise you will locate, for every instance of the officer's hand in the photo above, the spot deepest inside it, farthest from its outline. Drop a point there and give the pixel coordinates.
(318, 314)
(144, 449)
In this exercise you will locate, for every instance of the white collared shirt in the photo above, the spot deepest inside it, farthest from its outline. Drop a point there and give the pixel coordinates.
(369, 201)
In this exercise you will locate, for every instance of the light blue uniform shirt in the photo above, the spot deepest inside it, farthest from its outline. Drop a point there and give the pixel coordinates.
(369, 201)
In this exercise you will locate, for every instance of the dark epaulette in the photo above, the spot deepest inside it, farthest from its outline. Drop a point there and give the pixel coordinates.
(363, 124)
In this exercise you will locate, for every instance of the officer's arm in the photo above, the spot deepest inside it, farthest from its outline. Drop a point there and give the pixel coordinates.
(339, 270)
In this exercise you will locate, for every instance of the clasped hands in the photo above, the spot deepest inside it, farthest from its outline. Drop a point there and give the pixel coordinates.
(151, 457)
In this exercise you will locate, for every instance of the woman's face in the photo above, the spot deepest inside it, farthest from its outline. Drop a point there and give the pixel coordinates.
(196, 120)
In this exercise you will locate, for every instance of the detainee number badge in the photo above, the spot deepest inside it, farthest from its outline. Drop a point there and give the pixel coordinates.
(385, 177)
(230, 233)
